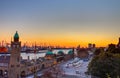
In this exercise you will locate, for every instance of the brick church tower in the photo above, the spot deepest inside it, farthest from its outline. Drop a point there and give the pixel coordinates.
(14, 65)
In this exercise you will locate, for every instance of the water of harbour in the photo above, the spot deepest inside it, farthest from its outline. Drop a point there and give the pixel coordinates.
(30, 55)
(26, 55)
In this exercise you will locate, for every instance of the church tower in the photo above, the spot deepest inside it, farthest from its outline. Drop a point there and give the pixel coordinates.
(14, 65)
(118, 45)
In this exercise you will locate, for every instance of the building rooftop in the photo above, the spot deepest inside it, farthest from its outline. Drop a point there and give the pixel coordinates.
(49, 53)
(70, 52)
(16, 35)
(60, 52)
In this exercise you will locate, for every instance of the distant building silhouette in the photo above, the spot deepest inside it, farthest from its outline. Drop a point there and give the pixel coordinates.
(118, 45)
(90, 45)
(94, 46)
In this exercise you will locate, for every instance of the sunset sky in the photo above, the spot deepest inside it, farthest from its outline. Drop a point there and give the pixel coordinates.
(61, 22)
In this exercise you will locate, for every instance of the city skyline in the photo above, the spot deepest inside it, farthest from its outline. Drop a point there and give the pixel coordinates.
(63, 22)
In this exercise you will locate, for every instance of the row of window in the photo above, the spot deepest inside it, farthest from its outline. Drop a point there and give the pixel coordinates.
(16, 46)
(16, 65)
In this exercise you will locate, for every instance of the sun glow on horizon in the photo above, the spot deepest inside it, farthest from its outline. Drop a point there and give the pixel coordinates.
(65, 42)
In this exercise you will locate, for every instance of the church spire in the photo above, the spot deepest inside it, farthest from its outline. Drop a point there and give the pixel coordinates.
(16, 37)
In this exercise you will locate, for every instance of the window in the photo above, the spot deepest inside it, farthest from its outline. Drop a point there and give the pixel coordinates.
(17, 46)
(13, 46)
(18, 59)
(12, 65)
(17, 75)
(18, 65)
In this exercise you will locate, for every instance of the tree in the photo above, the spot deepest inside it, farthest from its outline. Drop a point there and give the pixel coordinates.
(98, 51)
(112, 48)
(105, 63)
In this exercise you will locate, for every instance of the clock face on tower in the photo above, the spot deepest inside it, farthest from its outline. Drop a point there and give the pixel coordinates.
(15, 46)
